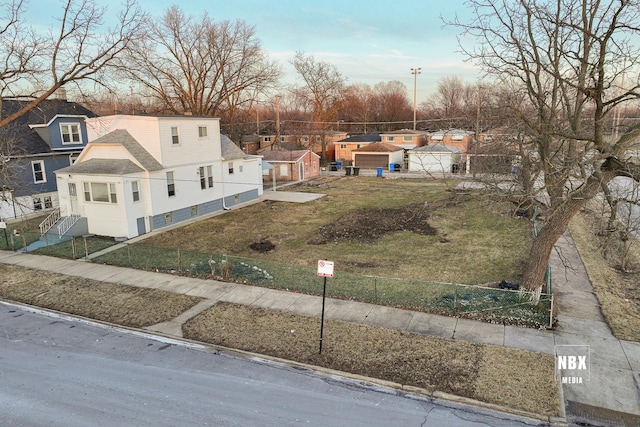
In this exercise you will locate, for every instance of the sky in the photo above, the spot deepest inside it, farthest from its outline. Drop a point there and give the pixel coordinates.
(368, 41)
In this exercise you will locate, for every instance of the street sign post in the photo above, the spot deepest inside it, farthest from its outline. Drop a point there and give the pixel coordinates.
(325, 269)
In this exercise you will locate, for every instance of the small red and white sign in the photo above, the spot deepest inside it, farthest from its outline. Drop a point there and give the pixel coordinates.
(325, 268)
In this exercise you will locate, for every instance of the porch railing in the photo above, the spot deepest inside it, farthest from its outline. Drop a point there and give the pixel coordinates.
(67, 223)
(49, 221)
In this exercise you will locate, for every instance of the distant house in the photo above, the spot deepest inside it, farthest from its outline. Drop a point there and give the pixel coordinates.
(140, 174)
(250, 144)
(344, 147)
(302, 140)
(33, 147)
(405, 138)
(435, 158)
(293, 165)
(461, 139)
(377, 154)
(314, 142)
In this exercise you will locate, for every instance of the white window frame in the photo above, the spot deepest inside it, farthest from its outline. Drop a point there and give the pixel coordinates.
(407, 138)
(175, 135)
(209, 169)
(171, 184)
(73, 131)
(203, 132)
(37, 203)
(42, 171)
(72, 158)
(206, 177)
(390, 138)
(135, 191)
(230, 168)
(89, 192)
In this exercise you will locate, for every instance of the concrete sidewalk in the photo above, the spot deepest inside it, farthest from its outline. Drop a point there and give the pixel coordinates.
(611, 393)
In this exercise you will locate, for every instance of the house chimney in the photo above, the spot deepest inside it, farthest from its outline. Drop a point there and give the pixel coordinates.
(60, 93)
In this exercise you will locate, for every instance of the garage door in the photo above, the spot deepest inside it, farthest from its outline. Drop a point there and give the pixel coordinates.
(371, 161)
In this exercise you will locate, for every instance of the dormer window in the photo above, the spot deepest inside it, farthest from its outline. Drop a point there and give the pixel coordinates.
(70, 133)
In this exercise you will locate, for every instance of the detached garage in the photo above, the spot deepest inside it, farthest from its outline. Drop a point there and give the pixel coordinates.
(377, 155)
(434, 158)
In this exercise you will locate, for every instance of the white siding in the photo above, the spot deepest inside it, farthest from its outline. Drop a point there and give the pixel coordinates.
(432, 162)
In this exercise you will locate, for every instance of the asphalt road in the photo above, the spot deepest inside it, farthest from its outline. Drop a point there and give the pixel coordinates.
(58, 371)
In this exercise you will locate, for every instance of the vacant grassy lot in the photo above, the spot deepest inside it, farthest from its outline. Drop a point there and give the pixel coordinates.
(474, 241)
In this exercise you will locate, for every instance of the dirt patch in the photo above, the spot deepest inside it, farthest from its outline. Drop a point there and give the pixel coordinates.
(433, 363)
(108, 302)
(263, 246)
(368, 225)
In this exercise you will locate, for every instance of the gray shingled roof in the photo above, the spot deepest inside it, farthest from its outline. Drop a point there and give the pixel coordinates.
(283, 156)
(103, 167)
(124, 138)
(378, 147)
(436, 148)
(230, 151)
(367, 137)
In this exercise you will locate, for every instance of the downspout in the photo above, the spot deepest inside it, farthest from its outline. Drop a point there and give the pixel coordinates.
(224, 206)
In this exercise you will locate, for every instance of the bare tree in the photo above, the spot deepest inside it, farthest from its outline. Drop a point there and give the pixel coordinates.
(78, 50)
(392, 104)
(200, 66)
(567, 58)
(322, 90)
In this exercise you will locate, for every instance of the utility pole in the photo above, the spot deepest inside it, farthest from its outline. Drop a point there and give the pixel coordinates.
(477, 141)
(277, 141)
(415, 72)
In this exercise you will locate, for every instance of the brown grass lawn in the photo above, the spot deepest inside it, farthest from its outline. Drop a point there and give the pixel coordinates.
(618, 292)
(490, 374)
(475, 241)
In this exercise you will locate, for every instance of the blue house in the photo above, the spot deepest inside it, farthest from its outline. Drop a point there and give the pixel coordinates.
(32, 148)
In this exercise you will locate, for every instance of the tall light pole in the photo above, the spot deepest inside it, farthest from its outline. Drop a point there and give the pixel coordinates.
(415, 72)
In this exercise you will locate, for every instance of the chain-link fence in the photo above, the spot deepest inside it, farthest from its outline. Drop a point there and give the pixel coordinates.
(489, 304)
(17, 241)
(77, 247)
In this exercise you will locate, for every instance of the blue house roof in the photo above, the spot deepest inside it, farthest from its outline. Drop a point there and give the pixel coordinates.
(28, 141)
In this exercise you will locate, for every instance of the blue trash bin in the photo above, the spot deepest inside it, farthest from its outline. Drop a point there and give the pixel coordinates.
(379, 173)
(339, 165)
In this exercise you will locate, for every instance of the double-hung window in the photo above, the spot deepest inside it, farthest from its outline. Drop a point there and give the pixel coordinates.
(171, 184)
(202, 132)
(206, 177)
(135, 190)
(39, 174)
(175, 136)
(70, 133)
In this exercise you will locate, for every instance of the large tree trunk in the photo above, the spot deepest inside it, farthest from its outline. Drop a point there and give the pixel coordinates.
(554, 226)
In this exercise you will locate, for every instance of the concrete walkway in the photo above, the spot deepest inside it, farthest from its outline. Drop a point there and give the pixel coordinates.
(612, 389)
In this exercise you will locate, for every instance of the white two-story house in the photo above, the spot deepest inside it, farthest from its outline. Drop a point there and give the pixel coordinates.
(142, 173)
